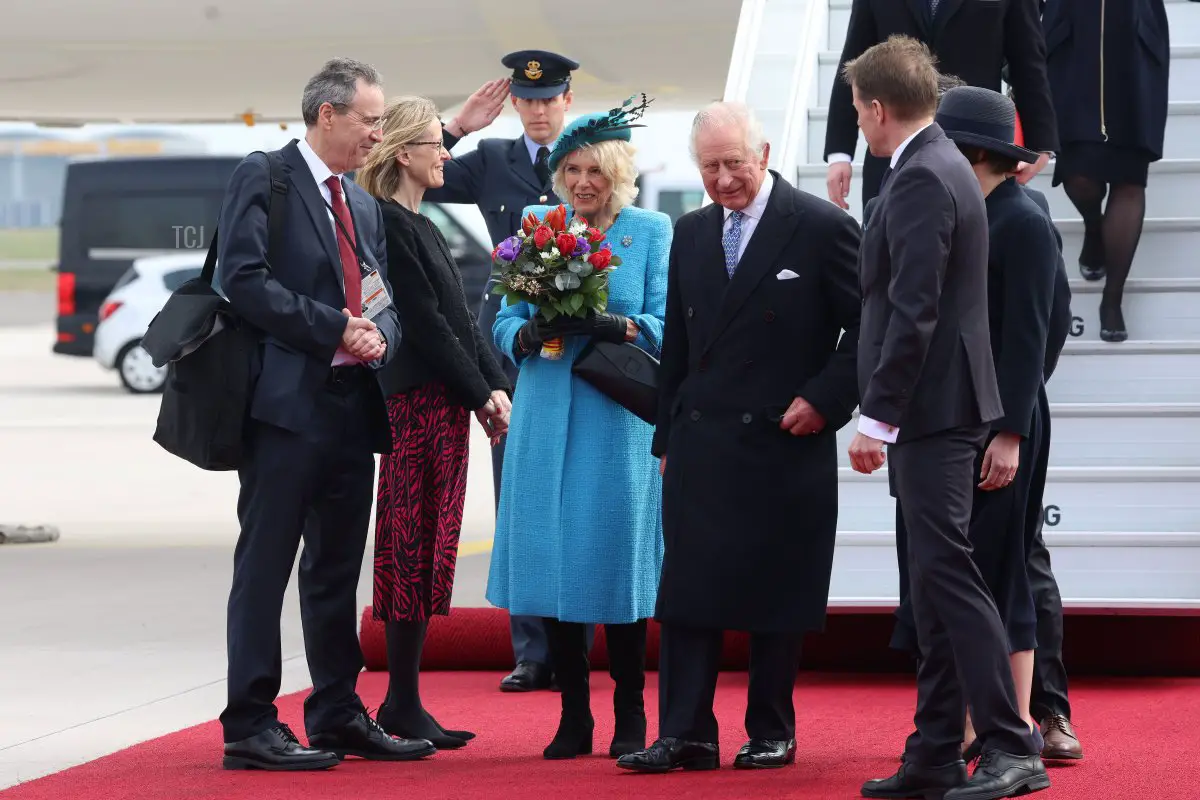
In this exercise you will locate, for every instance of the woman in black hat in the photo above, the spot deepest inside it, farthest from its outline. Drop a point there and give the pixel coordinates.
(1023, 258)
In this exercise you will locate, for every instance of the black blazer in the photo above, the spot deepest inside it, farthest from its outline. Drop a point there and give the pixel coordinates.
(924, 348)
(971, 39)
(1023, 260)
(297, 300)
(1060, 312)
(448, 348)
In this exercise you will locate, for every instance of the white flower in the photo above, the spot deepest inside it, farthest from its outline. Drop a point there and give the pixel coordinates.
(576, 227)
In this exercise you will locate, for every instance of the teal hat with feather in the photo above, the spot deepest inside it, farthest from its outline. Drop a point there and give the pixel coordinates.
(614, 125)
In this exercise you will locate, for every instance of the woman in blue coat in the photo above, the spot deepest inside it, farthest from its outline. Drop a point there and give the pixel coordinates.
(579, 527)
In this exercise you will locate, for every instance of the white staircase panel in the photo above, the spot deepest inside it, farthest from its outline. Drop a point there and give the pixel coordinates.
(1104, 435)
(1182, 136)
(1127, 372)
(1169, 248)
(1135, 570)
(839, 22)
(1170, 192)
(1156, 309)
(1076, 499)
(1183, 21)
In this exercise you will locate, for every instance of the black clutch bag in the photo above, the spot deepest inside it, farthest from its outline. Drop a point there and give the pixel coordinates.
(624, 372)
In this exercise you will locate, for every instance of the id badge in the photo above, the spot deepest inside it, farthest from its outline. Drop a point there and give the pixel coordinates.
(374, 295)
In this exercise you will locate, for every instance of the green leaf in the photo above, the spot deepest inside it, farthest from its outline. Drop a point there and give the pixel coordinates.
(575, 302)
(615, 261)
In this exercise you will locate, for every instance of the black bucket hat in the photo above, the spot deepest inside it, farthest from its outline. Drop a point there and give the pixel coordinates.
(982, 118)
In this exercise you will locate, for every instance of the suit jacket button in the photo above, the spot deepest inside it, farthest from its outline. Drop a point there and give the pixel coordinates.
(747, 418)
(501, 209)
(695, 416)
(769, 316)
(691, 312)
(542, 199)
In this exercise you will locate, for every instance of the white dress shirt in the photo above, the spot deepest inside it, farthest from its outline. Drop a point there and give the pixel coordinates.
(867, 426)
(751, 214)
(321, 173)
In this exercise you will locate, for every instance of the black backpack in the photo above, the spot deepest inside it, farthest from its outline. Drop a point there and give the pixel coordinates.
(213, 358)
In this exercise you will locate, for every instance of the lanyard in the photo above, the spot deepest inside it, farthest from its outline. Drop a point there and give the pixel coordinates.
(353, 240)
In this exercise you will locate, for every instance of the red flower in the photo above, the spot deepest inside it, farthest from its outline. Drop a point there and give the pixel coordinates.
(565, 243)
(529, 223)
(595, 235)
(542, 236)
(557, 219)
(600, 259)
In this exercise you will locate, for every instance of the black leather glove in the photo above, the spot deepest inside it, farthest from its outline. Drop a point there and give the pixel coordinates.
(528, 338)
(608, 327)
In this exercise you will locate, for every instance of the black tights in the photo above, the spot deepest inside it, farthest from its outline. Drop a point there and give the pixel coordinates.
(1110, 238)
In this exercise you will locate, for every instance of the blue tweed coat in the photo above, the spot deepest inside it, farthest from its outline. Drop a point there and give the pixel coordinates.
(579, 527)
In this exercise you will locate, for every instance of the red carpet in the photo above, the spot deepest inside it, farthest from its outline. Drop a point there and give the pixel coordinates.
(1139, 735)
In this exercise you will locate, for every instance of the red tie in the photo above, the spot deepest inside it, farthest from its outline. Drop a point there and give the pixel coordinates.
(346, 247)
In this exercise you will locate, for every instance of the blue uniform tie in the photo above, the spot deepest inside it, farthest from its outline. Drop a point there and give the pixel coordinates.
(731, 241)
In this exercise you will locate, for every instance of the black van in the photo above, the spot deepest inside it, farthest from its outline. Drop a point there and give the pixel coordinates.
(116, 210)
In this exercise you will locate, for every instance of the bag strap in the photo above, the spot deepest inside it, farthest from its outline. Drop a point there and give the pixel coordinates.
(275, 214)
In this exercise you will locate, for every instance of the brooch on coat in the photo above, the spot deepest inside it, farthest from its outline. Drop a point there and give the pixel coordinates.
(628, 240)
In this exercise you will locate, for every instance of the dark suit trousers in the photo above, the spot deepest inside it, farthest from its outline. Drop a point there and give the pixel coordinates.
(1049, 672)
(964, 649)
(319, 488)
(689, 661)
(872, 175)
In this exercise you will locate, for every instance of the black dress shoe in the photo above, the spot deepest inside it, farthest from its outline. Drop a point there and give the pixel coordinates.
(766, 754)
(930, 783)
(670, 753)
(527, 677)
(276, 749)
(402, 726)
(363, 737)
(1003, 775)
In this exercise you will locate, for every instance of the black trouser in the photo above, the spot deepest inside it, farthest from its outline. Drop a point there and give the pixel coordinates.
(689, 662)
(1049, 672)
(964, 649)
(318, 488)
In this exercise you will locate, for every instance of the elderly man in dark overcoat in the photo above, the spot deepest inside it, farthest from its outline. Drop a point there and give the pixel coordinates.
(757, 375)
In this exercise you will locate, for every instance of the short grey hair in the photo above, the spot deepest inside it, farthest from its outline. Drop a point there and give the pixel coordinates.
(336, 84)
(724, 113)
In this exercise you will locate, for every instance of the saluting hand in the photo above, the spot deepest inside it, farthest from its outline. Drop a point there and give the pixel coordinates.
(482, 108)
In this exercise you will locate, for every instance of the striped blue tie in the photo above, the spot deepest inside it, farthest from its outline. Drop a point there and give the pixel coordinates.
(731, 241)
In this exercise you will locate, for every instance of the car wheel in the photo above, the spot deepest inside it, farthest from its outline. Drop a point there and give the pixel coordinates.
(137, 371)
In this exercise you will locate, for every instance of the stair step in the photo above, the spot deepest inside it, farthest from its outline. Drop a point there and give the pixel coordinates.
(1094, 569)
(1127, 372)
(1171, 187)
(1077, 498)
(1108, 435)
(1153, 308)
(1183, 21)
(1182, 133)
(1169, 247)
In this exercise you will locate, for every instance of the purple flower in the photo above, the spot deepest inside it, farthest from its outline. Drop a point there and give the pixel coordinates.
(581, 246)
(509, 249)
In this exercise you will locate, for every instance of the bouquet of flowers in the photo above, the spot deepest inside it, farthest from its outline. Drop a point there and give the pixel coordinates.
(559, 267)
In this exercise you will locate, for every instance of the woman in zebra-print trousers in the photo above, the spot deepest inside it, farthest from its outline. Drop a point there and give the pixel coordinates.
(442, 370)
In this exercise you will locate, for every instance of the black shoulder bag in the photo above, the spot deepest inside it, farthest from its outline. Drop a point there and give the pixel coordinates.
(213, 358)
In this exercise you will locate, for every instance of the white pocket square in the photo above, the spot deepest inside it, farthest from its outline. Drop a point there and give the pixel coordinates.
(786, 275)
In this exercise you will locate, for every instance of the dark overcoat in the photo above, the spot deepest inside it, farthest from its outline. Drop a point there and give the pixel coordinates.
(1120, 98)
(749, 510)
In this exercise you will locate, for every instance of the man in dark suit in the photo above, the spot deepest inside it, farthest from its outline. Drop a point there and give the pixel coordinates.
(502, 177)
(757, 376)
(317, 416)
(971, 39)
(928, 388)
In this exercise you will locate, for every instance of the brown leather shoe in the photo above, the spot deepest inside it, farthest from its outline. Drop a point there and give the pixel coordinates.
(1061, 742)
